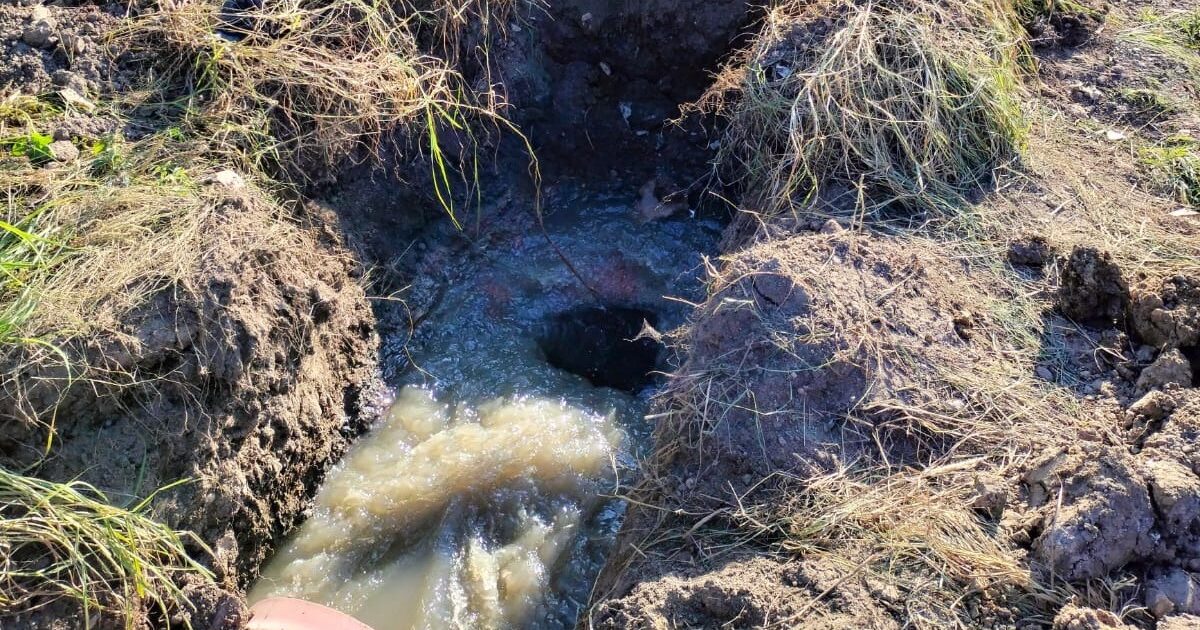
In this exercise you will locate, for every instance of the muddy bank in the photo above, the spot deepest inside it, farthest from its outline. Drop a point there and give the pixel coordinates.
(246, 382)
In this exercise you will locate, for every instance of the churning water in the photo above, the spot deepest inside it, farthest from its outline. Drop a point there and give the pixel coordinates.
(483, 497)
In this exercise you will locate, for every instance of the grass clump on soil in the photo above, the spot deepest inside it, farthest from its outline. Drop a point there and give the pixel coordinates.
(1175, 36)
(67, 541)
(1174, 166)
(911, 102)
(298, 84)
(909, 532)
(1147, 103)
(132, 209)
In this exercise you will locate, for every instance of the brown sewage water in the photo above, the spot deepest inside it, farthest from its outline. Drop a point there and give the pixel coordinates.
(484, 497)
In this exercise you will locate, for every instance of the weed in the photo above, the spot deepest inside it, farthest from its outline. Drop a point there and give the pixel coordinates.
(1147, 103)
(67, 541)
(34, 145)
(892, 102)
(1175, 167)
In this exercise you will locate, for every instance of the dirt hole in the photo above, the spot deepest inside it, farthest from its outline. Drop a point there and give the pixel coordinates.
(1192, 354)
(601, 344)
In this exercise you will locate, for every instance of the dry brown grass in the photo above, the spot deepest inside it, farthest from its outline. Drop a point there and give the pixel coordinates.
(906, 103)
(298, 85)
(911, 530)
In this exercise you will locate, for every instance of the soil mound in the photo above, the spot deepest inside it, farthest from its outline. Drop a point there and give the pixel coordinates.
(802, 363)
(247, 381)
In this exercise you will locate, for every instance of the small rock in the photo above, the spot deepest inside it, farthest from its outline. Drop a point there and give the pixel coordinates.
(228, 179)
(41, 13)
(63, 151)
(1112, 135)
(73, 98)
(832, 227)
(1044, 373)
(73, 44)
(1175, 591)
(1171, 368)
(1090, 92)
(1153, 406)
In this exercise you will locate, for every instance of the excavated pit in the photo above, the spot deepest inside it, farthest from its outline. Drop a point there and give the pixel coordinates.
(524, 347)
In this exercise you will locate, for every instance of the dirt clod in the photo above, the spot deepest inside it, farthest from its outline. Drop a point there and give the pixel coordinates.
(1092, 287)
(1167, 315)
(1153, 406)
(1062, 24)
(1030, 251)
(1171, 368)
(1176, 493)
(1077, 618)
(1174, 591)
(1104, 519)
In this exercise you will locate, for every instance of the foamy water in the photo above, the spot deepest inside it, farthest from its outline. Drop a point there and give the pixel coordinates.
(487, 504)
(449, 517)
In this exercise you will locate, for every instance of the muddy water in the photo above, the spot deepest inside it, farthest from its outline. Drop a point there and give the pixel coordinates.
(483, 497)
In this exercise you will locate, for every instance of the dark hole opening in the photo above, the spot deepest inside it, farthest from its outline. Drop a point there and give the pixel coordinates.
(1192, 354)
(598, 343)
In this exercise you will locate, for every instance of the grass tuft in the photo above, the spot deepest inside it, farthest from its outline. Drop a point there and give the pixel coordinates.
(66, 541)
(297, 86)
(911, 102)
(1147, 103)
(1175, 167)
(1174, 36)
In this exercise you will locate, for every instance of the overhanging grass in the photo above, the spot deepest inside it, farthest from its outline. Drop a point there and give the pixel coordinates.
(907, 103)
(298, 85)
(66, 541)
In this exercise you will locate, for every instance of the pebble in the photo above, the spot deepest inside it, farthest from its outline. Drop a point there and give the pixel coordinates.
(832, 227)
(40, 32)
(64, 151)
(1044, 373)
